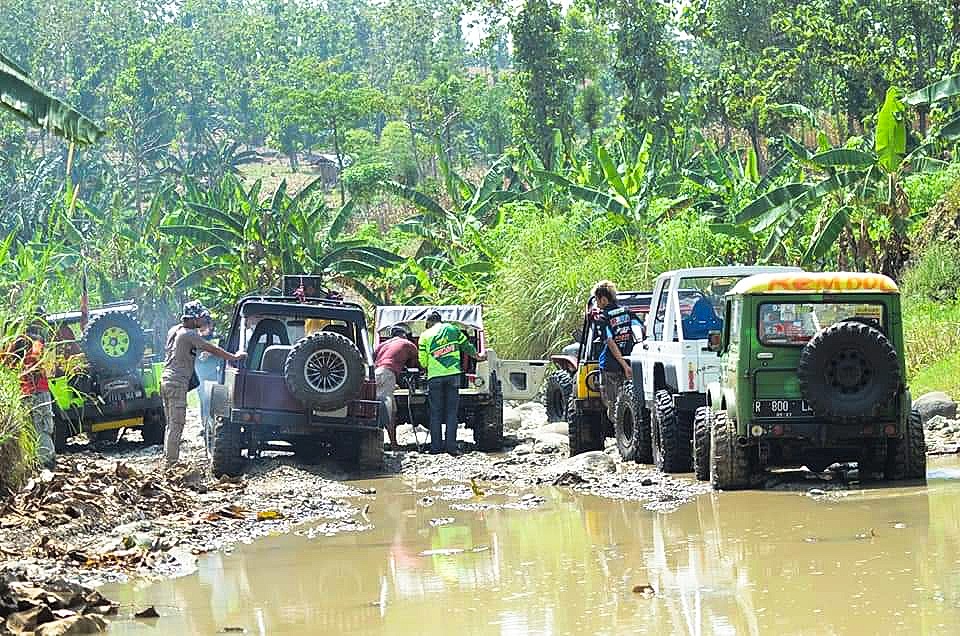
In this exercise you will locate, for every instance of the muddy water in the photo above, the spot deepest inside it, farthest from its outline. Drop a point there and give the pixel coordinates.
(880, 560)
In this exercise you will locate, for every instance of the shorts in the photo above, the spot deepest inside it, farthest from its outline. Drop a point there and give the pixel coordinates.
(386, 385)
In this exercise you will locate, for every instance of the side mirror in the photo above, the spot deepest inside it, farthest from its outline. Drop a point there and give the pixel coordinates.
(713, 339)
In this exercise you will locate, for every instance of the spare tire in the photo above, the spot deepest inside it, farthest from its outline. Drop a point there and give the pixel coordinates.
(114, 342)
(324, 370)
(847, 370)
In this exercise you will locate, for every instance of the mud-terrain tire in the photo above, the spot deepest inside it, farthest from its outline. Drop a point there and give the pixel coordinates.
(702, 425)
(324, 370)
(907, 457)
(113, 343)
(671, 436)
(219, 399)
(584, 432)
(225, 458)
(847, 370)
(370, 450)
(488, 421)
(154, 427)
(557, 395)
(631, 429)
(729, 462)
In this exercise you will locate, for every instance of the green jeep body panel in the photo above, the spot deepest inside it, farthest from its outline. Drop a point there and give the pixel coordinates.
(759, 388)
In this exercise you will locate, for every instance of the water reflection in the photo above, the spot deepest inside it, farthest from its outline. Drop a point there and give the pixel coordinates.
(881, 560)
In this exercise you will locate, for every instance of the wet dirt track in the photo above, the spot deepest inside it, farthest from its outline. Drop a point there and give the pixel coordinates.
(427, 561)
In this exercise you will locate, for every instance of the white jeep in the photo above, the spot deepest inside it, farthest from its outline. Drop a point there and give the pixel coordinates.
(673, 365)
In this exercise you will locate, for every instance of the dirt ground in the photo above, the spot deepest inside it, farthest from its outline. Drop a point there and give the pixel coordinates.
(113, 512)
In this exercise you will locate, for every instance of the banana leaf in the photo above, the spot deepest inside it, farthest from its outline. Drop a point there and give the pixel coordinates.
(947, 87)
(796, 111)
(828, 235)
(587, 195)
(20, 96)
(844, 157)
(890, 140)
(773, 199)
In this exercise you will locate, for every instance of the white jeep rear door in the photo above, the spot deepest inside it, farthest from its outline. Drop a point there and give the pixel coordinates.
(520, 380)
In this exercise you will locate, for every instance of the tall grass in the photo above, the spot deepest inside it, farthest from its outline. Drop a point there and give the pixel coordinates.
(548, 264)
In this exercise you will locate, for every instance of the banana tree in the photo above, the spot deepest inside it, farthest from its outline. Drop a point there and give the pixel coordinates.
(622, 181)
(20, 96)
(854, 188)
(241, 241)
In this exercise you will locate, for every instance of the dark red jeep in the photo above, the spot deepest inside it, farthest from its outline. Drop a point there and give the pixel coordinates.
(307, 383)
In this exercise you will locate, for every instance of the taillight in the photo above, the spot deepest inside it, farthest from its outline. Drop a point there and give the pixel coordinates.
(691, 376)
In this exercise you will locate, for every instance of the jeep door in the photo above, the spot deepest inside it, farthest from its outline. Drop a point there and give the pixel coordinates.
(521, 380)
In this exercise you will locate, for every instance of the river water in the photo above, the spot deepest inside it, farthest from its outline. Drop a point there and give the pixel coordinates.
(877, 560)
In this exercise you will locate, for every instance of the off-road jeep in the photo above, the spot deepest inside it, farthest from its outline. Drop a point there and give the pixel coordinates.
(307, 384)
(588, 425)
(676, 364)
(484, 385)
(813, 373)
(107, 378)
(559, 384)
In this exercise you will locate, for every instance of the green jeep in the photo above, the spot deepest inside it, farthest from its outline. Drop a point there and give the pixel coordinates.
(106, 378)
(812, 373)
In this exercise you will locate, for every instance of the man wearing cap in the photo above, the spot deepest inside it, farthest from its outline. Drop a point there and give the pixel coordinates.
(440, 348)
(180, 353)
(391, 357)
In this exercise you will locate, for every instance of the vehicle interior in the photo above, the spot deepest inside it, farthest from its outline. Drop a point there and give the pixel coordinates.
(269, 338)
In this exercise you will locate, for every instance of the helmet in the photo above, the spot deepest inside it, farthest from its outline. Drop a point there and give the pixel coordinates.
(194, 310)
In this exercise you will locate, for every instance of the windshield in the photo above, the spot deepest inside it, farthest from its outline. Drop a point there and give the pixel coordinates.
(797, 322)
(701, 304)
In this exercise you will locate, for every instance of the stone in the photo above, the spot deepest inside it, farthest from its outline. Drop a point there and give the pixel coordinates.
(939, 423)
(523, 449)
(936, 403)
(88, 624)
(581, 465)
(511, 419)
(28, 620)
(553, 428)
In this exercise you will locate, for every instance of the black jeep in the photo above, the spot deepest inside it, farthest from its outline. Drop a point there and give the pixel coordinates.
(307, 383)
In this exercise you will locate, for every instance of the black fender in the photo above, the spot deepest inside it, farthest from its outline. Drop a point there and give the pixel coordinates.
(637, 367)
(671, 381)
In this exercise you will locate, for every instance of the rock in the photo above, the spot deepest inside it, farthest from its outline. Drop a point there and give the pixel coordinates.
(940, 423)
(550, 439)
(557, 428)
(523, 449)
(581, 465)
(89, 624)
(28, 620)
(547, 449)
(511, 419)
(936, 403)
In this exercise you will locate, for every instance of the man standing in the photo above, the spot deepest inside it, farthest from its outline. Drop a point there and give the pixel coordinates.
(28, 351)
(180, 353)
(391, 357)
(440, 348)
(616, 323)
(207, 368)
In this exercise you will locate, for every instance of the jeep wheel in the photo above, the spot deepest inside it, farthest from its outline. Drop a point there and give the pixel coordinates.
(729, 461)
(848, 369)
(671, 436)
(631, 428)
(702, 423)
(113, 342)
(225, 456)
(324, 370)
(488, 422)
(907, 457)
(62, 431)
(585, 431)
(370, 450)
(154, 427)
(557, 394)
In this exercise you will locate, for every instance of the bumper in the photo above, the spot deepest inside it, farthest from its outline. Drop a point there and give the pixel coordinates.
(819, 433)
(281, 424)
(113, 415)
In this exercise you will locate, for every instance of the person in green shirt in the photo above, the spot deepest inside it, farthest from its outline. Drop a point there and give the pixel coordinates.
(440, 349)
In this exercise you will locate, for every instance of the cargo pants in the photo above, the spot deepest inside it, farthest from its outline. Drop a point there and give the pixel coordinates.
(174, 397)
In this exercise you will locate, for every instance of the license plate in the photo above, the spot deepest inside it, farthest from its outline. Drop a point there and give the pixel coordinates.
(781, 408)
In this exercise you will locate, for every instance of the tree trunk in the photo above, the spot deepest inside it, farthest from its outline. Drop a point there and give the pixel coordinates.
(336, 150)
(413, 147)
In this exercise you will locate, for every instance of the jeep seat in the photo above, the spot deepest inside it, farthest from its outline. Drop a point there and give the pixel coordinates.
(274, 358)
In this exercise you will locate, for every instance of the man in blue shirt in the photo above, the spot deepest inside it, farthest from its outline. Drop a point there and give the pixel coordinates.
(616, 323)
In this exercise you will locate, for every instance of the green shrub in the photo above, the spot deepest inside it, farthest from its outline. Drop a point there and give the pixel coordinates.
(548, 264)
(18, 440)
(934, 275)
(925, 189)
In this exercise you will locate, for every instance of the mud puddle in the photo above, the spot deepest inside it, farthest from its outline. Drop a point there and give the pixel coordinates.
(877, 560)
